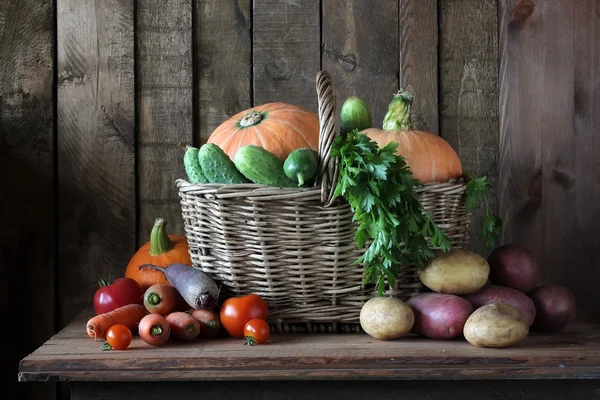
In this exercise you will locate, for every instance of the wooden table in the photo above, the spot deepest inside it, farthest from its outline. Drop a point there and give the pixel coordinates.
(315, 366)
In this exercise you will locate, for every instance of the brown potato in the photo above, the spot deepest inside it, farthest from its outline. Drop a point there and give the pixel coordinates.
(439, 316)
(499, 294)
(455, 272)
(386, 318)
(496, 325)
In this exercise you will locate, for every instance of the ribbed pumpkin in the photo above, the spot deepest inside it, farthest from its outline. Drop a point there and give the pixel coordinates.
(279, 128)
(161, 250)
(429, 157)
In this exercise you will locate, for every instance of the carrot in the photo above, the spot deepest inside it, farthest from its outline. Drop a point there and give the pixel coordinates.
(210, 321)
(129, 315)
(154, 329)
(183, 325)
(161, 299)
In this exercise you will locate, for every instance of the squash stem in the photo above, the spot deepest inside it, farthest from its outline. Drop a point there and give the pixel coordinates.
(159, 239)
(300, 177)
(398, 116)
(251, 119)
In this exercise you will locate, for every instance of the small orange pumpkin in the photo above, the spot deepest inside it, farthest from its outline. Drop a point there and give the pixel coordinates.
(161, 250)
(279, 128)
(429, 157)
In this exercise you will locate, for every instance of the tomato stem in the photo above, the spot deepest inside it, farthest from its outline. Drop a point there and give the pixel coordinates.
(154, 299)
(250, 341)
(156, 330)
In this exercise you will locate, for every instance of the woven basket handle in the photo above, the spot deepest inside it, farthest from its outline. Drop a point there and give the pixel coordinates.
(327, 172)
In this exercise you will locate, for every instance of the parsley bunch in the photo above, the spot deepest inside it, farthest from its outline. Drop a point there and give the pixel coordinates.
(380, 189)
(492, 224)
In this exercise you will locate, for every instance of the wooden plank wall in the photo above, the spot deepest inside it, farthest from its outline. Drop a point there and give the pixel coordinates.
(96, 96)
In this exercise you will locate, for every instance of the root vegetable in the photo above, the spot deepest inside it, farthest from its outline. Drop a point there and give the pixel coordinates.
(210, 322)
(161, 299)
(514, 266)
(439, 316)
(556, 307)
(183, 325)
(386, 318)
(455, 272)
(154, 329)
(197, 288)
(499, 294)
(496, 325)
(129, 315)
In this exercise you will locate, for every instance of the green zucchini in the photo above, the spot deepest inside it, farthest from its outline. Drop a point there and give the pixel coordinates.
(301, 165)
(192, 165)
(261, 166)
(217, 166)
(355, 114)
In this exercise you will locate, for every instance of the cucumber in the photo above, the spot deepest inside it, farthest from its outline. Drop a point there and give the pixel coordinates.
(217, 166)
(192, 165)
(261, 166)
(301, 165)
(355, 114)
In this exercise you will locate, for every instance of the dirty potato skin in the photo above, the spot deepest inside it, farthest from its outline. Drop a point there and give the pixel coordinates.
(386, 318)
(496, 325)
(455, 272)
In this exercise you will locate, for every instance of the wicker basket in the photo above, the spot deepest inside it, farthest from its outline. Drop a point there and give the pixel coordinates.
(295, 246)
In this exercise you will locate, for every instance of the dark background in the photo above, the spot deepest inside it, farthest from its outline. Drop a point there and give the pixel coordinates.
(96, 95)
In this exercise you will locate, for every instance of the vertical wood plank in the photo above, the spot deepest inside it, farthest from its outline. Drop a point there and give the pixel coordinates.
(27, 237)
(286, 51)
(469, 91)
(165, 116)
(361, 52)
(550, 85)
(419, 60)
(96, 187)
(224, 62)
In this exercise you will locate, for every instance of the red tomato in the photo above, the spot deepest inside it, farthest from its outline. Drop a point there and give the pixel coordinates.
(256, 331)
(118, 337)
(237, 311)
(121, 292)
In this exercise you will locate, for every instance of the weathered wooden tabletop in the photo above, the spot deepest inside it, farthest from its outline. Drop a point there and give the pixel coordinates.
(72, 356)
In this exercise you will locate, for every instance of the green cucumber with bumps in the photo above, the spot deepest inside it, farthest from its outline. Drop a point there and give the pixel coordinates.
(217, 166)
(261, 166)
(192, 165)
(301, 165)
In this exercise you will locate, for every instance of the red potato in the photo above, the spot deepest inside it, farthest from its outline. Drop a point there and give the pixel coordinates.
(183, 325)
(556, 307)
(439, 316)
(514, 266)
(154, 329)
(499, 294)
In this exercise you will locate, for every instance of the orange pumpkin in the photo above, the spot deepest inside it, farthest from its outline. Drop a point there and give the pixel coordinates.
(161, 250)
(280, 128)
(429, 157)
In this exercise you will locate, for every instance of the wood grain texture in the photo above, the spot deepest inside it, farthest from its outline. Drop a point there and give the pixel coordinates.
(550, 99)
(348, 390)
(27, 237)
(361, 52)
(71, 355)
(165, 109)
(419, 60)
(286, 51)
(96, 182)
(223, 62)
(469, 92)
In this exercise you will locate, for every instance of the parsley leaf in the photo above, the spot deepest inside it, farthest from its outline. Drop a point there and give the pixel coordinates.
(380, 189)
(491, 229)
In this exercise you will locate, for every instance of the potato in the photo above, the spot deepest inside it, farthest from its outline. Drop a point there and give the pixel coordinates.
(455, 272)
(500, 294)
(514, 266)
(556, 307)
(386, 318)
(439, 316)
(496, 325)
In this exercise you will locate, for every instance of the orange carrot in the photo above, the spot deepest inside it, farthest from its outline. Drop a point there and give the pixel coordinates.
(161, 299)
(183, 325)
(210, 321)
(129, 315)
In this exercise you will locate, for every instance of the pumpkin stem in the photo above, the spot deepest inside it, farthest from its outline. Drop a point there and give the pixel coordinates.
(251, 119)
(159, 239)
(398, 116)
